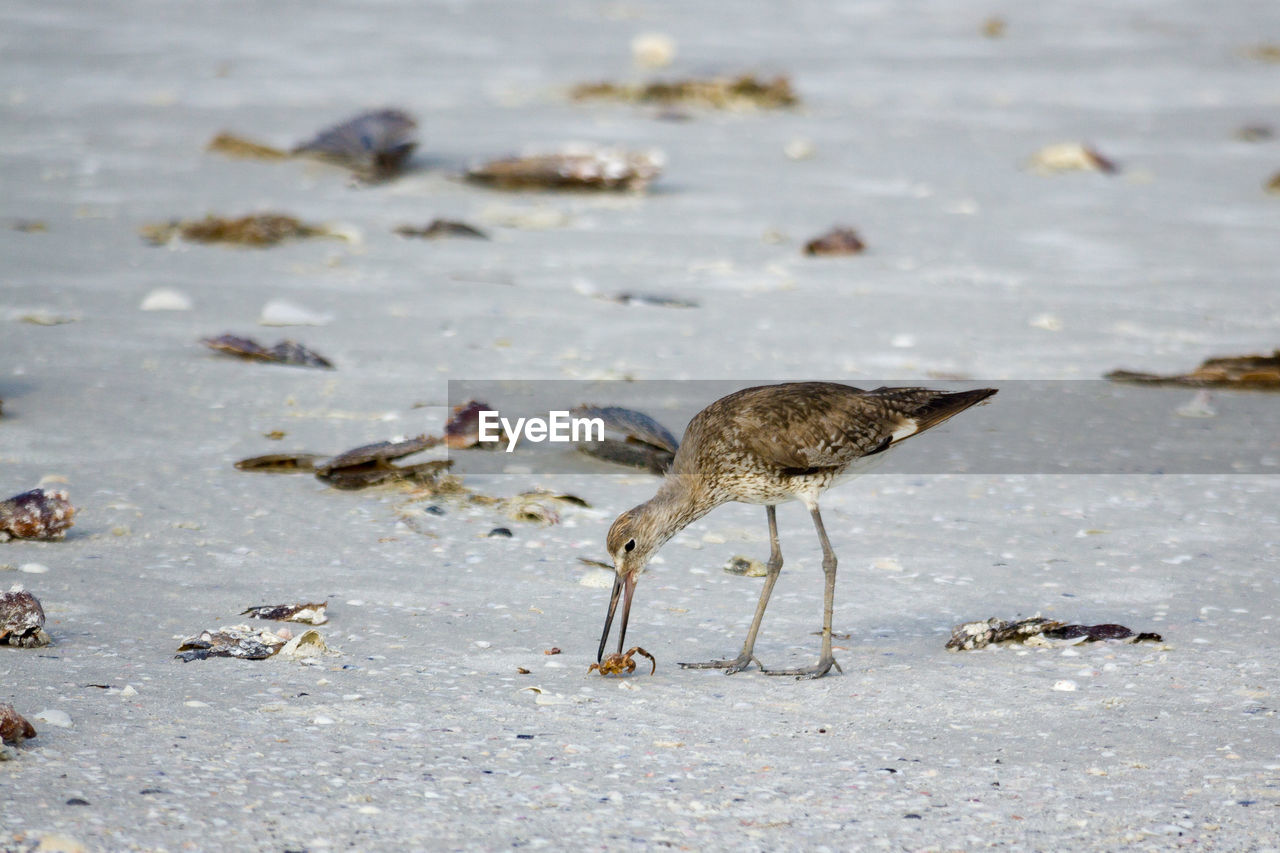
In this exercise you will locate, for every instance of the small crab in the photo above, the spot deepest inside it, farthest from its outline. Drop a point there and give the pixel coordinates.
(615, 663)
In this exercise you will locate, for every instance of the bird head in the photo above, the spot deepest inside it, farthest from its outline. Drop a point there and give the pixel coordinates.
(632, 541)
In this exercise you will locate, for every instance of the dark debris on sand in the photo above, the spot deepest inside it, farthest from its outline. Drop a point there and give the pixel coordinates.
(1252, 372)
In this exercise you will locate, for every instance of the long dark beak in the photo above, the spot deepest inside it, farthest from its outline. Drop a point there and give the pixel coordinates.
(619, 585)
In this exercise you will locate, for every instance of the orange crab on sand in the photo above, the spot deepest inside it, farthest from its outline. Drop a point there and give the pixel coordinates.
(614, 664)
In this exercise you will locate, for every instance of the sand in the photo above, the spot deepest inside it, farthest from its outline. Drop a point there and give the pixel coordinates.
(420, 732)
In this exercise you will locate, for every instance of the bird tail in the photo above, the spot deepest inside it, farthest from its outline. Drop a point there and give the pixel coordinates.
(922, 408)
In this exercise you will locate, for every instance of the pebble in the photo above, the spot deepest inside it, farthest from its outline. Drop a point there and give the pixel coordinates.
(33, 568)
(1066, 685)
(54, 717)
(166, 299)
(653, 50)
(282, 312)
(799, 149)
(322, 720)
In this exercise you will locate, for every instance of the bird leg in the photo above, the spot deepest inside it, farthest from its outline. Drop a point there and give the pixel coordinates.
(773, 568)
(826, 660)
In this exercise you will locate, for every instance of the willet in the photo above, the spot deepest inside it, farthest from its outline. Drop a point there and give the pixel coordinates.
(766, 445)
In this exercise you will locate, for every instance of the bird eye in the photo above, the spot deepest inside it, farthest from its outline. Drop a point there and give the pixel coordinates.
(630, 546)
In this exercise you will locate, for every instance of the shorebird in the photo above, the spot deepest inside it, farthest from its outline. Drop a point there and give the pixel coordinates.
(767, 445)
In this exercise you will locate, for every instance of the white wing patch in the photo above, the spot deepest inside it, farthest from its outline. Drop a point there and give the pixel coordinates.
(906, 428)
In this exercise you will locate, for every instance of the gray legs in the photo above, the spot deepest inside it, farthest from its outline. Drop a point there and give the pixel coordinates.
(774, 567)
(825, 661)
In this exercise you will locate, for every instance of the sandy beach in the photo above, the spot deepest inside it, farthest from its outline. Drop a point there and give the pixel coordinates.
(440, 720)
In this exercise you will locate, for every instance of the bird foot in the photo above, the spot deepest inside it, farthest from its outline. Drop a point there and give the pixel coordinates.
(818, 670)
(737, 664)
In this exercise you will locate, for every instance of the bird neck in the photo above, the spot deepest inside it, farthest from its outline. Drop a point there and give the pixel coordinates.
(679, 502)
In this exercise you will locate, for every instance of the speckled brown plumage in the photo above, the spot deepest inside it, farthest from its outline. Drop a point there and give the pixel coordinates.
(767, 445)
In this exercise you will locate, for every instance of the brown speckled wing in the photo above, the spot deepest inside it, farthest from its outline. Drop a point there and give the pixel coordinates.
(814, 425)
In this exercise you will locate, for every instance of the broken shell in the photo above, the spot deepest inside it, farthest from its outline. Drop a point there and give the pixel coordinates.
(1036, 630)
(36, 514)
(652, 299)
(745, 92)
(311, 614)
(235, 641)
(43, 317)
(573, 168)
(442, 228)
(370, 464)
(1256, 372)
(532, 509)
(1255, 132)
(631, 454)
(646, 443)
(281, 463)
(564, 497)
(1068, 157)
(233, 145)
(284, 352)
(21, 619)
(257, 230)
(379, 451)
(307, 644)
(360, 477)
(840, 240)
(13, 726)
(745, 566)
(463, 428)
(1264, 52)
(635, 426)
(376, 145)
